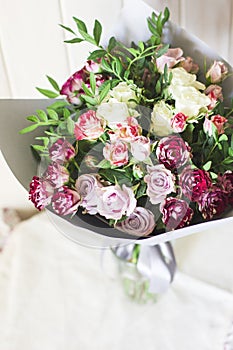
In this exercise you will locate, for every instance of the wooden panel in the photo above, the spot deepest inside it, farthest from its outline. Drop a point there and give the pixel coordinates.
(104, 10)
(32, 45)
(5, 91)
(210, 21)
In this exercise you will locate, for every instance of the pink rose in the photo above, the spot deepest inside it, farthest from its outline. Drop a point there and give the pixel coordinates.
(61, 151)
(40, 192)
(73, 86)
(56, 174)
(189, 65)
(176, 213)
(126, 131)
(140, 148)
(213, 203)
(218, 121)
(86, 186)
(170, 58)
(116, 153)
(173, 152)
(114, 202)
(214, 92)
(194, 182)
(89, 126)
(65, 201)
(140, 223)
(217, 72)
(178, 122)
(160, 182)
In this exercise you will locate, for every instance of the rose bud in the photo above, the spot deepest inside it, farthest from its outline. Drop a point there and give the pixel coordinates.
(217, 72)
(194, 182)
(214, 92)
(170, 58)
(116, 153)
(140, 223)
(189, 65)
(178, 122)
(114, 201)
(213, 203)
(216, 120)
(89, 126)
(160, 182)
(86, 186)
(40, 192)
(65, 201)
(61, 151)
(173, 152)
(176, 213)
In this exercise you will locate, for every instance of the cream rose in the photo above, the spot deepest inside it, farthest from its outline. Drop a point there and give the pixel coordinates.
(124, 93)
(113, 112)
(181, 77)
(161, 119)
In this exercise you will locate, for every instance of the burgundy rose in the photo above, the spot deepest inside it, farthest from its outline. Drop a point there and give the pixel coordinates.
(140, 223)
(176, 213)
(173, 152)
(226, 183)
(65, 201)
(194, 182)
(56, 174)
(61, 151)
(213, 203)
(73, 86)
(40, 192)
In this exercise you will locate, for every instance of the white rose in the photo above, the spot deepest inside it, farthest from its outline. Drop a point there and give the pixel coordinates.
(161, 119)
(113, 112)
(124, 93)
(181, 77)
(189, 100)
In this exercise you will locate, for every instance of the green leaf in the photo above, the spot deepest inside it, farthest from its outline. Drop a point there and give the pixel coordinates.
(39, 148)
(28, 129)
(223, 137)
(166, 15)
(133, 52)
(42, 115)
(73, 41)
(227, 161)
(53, 83)
(161, 51)
(207, 165)
(33, 118)
(48, 93)
(141, 190)
(106, 66)
(88, 99)
(97, 31)
(70, 126)
(66, 113)
(104, 164)
(93, 82)
(87, 91)
(58, 104)
(141, 46)
(158, 87)
(52, 114)
(80, 24)
(67, 28)
(213, 175)
(111, 44)
(104, 92)
(87, 37)
(97, 54)
(230, 152)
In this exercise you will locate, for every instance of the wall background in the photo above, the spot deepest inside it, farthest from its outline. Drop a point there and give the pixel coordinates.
(31, 46)
(31, 42)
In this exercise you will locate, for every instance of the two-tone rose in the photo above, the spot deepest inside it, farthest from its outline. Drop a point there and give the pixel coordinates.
(194, 182)
(176, 213)
(178, 122)
(116, 153)
(87, 185)
(56, 174)
(89, 126)
(217, 122)
(213, 203)
(66, 201)
(140, 148)
(173, 152)
(61, 151)
(40, 192)
(171, 58)
(217, 72)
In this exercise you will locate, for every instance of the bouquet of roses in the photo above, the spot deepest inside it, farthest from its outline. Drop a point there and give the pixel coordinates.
(143, 142)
